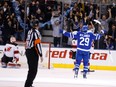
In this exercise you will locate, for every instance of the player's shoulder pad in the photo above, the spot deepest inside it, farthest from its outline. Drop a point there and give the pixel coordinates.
(75, 32)
(14, 44)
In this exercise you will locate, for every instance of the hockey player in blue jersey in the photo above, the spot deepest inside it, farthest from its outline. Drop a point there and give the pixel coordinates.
(84, 41)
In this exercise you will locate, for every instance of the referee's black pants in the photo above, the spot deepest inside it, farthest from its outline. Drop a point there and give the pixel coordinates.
(32, 61)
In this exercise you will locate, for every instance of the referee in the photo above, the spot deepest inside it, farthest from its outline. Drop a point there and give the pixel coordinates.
(33, 51)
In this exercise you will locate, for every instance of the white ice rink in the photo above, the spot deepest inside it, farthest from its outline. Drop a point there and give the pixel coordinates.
(57, 78)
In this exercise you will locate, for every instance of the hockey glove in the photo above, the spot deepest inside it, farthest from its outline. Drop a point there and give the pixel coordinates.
(62, 31)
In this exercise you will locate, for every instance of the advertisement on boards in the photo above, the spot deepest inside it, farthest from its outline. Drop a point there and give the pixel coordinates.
(64, 56)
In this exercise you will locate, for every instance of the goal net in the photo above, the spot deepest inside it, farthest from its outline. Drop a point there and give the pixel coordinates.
(46, 48)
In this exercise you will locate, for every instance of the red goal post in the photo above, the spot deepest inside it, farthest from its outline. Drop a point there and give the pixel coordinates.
(46, 49)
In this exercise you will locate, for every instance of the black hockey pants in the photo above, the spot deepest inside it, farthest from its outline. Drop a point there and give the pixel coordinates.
(32, 61)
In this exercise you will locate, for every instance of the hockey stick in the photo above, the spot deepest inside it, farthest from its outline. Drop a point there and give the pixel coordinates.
(88, 71)
(97, 21)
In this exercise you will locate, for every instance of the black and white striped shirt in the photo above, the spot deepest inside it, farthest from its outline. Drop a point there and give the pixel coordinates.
(34, 40)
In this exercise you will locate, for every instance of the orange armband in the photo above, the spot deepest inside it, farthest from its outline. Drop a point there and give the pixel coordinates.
(37, 41)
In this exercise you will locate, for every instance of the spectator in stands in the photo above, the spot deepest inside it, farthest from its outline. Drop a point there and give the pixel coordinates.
(1, 29)
(48, 14)
(19, 33)
(56, 25)
(111, 37)
(40, 16)
(103, 7)
(113, 9)
(105, 21)
(33, 8)
(7, 29)
(104, 25)
(91, 27)
(42, 11)
(1, 41)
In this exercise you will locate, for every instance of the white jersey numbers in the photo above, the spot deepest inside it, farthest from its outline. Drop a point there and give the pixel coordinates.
(84, 41)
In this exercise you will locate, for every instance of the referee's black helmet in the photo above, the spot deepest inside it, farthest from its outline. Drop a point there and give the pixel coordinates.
(35, 23)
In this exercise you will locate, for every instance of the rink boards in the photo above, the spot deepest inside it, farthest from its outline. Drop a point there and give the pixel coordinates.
(62, 58)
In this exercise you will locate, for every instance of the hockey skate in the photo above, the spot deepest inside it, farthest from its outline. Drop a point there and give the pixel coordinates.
(3, 65)
(76, 73)
(84, 75)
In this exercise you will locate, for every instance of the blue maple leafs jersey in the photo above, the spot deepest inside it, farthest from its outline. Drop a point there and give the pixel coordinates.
(84, 40)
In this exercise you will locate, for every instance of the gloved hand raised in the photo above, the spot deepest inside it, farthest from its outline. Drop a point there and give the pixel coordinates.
(62, 31)
(103, 31)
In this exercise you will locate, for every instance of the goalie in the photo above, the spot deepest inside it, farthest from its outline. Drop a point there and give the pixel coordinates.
(10, 54)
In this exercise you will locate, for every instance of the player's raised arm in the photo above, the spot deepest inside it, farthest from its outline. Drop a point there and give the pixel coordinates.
(68, 34)
(98, 36)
